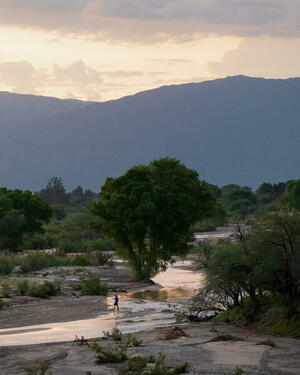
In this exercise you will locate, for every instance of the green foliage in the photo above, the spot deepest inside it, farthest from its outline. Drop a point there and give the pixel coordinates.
(92, 286)
(110, 354)
(55, 192)
(149, 213)
(135, 366)
(6, 265)
(45, 290)
(238, 371)
(239, 202)
(75, 232)
(132, 341)
(40, 370)
(288, 326)
(80, 261)
(2, 304)
(115, 334)
(293, 194)
(6, 290)
(37, 261)
(23, 286)
(21, 213)
(181, 369)
(202, 252)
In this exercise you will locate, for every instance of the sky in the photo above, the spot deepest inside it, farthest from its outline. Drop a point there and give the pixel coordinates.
(100, 50)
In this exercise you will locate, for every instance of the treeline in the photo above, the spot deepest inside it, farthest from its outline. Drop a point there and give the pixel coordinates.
(50, 218)
(55, 193)
(240, 203)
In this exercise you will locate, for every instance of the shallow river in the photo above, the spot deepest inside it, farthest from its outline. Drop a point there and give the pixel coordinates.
(139, 311)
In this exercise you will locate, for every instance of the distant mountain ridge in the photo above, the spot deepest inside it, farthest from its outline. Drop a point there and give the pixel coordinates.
(233, 130)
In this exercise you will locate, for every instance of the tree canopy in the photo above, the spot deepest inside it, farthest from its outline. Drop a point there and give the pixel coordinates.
(21, 213)
(149, 212)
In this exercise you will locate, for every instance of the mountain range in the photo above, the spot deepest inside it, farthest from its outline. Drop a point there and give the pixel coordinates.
(234, 130)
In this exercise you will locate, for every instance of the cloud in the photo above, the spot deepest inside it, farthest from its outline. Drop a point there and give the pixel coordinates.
(261, 57)
(123, 73)
(19, 76)
(156, 20)
(77, 79)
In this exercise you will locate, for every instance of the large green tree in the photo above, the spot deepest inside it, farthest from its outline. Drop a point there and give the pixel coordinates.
(149, 212)
(21, 213)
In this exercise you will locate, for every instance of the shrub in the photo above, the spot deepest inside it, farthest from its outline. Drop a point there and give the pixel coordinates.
(135, 365)
(80, 261)
(44, 290)
(115, 334)
(132, 341)
(2, 304)
(101, 259)
(41, 370)
(181, 369)
(6, 290)
(22, 287)
(173, 333)
(92, 286)
(6, 265)
(288, 326)
(110, 354)
(37, 261)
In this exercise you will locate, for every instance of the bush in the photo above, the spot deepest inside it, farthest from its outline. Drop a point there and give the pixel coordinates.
(22, 287)
(110, 354)
(181, 369)
(2, 304)
(6, 265)
(41, 370)
(132, 341)
(6, 290)
(101, 259)
(80, 261)
(135, 365)
(45, 290)
(115, 334)
(92, 286)
(38, 261)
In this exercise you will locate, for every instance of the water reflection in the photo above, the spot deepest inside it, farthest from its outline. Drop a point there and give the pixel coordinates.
(162, 294)
(139, 311)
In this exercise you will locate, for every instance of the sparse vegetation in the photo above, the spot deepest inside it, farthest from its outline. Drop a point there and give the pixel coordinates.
(93, 286)
(6, 266)
(115, 334)
(173, 333)
(42, 369)
(110, 354)
(44, 290)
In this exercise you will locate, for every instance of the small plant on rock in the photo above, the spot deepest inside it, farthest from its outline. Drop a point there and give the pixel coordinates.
(110, 354)
(40, 370)
(115, 334)
(131, 340)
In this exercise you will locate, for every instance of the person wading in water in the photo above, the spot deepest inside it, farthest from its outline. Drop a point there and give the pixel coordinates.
(116, 304)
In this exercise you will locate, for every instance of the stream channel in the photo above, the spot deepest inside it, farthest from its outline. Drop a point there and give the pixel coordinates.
(139, 311)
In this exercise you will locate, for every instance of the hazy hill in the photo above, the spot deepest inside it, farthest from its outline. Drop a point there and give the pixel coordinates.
(234, 130)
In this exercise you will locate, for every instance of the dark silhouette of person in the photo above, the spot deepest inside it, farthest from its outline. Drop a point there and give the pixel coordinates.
(116, 304)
